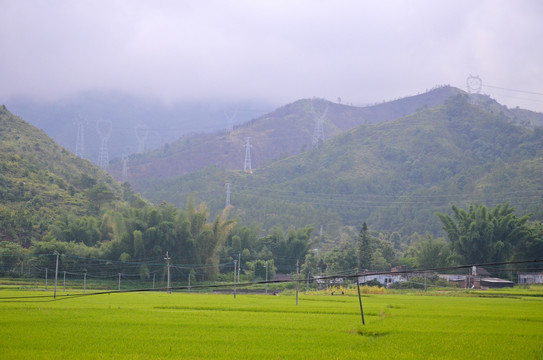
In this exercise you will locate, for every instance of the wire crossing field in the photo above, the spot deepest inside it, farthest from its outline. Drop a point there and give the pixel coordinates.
(196, 326)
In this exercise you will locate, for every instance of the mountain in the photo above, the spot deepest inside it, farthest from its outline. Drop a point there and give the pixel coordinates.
(39, 180)
(287, 131)
(137, 124)
(393, 175)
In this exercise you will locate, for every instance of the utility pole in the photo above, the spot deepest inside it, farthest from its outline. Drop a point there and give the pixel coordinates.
(297, 275)
(189, 281)
(154, 280)
(266, 277)
(119, 287)
(56, 277)
(235, 270)
(360, 298)
(46, 278)
(167, 258)
(64, 280)
(239, 265)
(425, 281)
(85, 283)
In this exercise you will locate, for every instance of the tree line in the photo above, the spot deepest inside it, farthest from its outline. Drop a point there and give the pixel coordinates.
(206, 247)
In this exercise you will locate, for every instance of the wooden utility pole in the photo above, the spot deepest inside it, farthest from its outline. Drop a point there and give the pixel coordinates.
(119, 287)
(235, 271)
(167, 258)
(266, 277)
(297, 275)
(85, 283)
(425, 281)
(360, 298)
(239, 265)
(56, 278)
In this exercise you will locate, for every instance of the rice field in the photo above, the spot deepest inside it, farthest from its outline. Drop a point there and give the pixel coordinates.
(156, 325)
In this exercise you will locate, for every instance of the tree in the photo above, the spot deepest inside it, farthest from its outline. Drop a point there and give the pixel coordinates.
(532, 248)
(480, 235)
(257, 269)
(364, 248)
(431, 253)
(340, 259)
(100, 194)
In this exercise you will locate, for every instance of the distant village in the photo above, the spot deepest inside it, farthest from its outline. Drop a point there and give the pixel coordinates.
(478, 278)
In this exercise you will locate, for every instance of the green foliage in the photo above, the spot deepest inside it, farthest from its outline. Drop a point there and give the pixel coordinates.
(480, 235)
(341, 259)
(364, 248)
(40, 182)
(257, 270)
(11, 256)
(431, 253)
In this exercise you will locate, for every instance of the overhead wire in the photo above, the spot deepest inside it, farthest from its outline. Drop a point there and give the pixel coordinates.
(264, 282)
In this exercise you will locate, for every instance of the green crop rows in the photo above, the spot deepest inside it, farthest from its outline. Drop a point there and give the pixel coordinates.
(199, 326)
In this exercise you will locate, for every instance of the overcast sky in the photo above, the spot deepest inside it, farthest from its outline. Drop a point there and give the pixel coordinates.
(275, 51)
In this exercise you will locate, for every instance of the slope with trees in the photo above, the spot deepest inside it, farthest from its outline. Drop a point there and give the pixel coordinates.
(285, 132)
(395, 175)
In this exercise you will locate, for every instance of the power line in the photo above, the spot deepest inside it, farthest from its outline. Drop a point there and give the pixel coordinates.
(264, 282)
(513, 90)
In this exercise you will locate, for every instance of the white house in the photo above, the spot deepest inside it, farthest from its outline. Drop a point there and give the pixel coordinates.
(385, 279)
(530, 278)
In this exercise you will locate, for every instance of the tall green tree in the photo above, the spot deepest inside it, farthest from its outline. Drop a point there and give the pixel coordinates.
(480, 235)
(364, 250)
(432, 253)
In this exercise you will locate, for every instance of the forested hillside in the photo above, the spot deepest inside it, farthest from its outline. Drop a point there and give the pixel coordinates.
(287, 131)
(393, 175)
(54, 202)
(40, 180)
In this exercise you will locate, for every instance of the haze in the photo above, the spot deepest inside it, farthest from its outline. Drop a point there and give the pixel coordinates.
(275, 51)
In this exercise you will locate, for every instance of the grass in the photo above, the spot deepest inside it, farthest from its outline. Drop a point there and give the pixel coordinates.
(197, 326)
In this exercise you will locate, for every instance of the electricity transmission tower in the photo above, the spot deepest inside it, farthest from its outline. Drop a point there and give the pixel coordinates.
(142, 132)
(230, 116)
(124, 176)
(104, 131)
(474, 84)
(80, 139)
(318, 132)
(247, 165)
(227, 194)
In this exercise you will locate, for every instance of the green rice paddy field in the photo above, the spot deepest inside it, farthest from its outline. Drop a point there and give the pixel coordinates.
(205, 326)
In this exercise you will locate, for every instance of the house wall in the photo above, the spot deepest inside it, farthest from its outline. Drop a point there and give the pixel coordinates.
(530, 278)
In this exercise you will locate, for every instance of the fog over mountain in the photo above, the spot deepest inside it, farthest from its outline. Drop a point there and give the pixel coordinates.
(273, 52)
